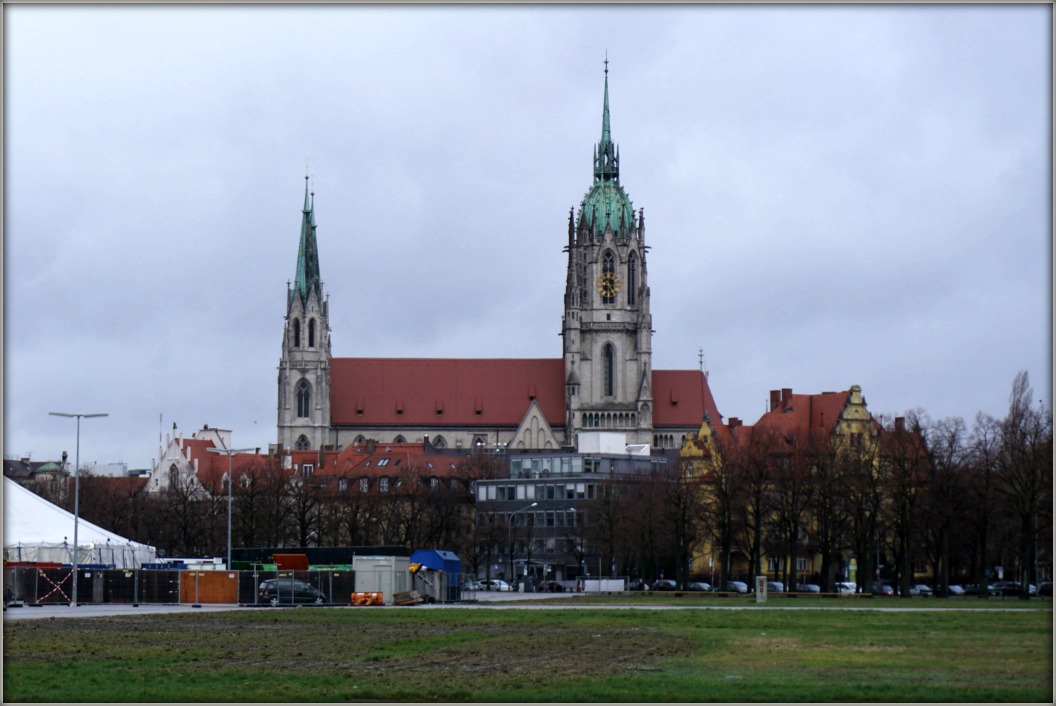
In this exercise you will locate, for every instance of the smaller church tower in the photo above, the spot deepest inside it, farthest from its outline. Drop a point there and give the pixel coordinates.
(304, 370)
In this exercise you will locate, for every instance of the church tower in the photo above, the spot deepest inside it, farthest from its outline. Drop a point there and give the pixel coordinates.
(304, 370)
(607, 328)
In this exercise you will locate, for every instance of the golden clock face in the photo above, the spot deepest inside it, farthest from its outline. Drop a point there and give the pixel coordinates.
(608, 285)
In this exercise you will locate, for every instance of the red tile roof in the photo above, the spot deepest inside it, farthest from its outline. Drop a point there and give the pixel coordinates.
(357, 460)
(797, 414)
(443, 391)
(680, 399)
(432, 392)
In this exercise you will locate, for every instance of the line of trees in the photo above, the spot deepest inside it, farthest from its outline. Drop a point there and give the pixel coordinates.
(916, 496)
(924, 494)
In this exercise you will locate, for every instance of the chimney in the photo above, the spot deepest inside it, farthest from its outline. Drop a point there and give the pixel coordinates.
(900, 423)
(734, 422)
(786, 398)
(775, 399)
(370, 446)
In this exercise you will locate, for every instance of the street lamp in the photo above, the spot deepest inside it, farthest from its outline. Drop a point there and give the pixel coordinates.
(76, 492)
(230, 480)
(509, 532)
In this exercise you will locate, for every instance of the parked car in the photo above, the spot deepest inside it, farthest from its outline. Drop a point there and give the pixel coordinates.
(494, 585)
(845, 587)
(639, 585)
(921, 589)
(471, 586)
(288, 591)
(977, 589)
(1013, 588)
(883, 589)
(775, 587)
(955, 589)
(736, 587)
(550, 587)
(665, 585)
(808, 588)
(1045, 589)
(698, 586)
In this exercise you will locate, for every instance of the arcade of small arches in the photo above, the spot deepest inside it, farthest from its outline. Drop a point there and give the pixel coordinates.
(437, 442)
(609, 420)
(667, 441)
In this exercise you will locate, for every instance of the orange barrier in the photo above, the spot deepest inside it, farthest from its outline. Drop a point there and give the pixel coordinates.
(212, 587)
(367, 599)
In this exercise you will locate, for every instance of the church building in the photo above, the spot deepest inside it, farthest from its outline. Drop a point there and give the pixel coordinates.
(603, 380)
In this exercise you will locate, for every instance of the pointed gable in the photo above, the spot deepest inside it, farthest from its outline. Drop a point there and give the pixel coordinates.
(534, 431)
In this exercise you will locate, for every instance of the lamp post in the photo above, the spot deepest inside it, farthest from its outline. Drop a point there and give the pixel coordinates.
(76, 492)
(230, 480)
(509, 533)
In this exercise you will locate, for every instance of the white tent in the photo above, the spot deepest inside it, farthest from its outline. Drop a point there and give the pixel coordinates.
(36, 530)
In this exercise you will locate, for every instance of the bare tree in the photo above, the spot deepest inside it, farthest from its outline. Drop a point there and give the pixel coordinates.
(1025, 470)
(944, 499)
(906, 473)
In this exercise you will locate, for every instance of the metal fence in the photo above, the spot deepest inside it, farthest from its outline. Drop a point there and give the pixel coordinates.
(37, 586)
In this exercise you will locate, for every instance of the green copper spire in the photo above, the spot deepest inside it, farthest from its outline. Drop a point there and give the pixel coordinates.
(606, 205)
(606, 159)
(307, 280)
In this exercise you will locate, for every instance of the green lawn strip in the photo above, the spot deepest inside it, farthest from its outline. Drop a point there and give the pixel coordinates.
(467, 654)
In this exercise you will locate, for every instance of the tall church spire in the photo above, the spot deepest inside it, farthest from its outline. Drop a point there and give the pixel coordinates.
(307, 279)
(606, 159)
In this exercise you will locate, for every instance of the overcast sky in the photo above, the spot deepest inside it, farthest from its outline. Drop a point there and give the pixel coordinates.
(833, 196)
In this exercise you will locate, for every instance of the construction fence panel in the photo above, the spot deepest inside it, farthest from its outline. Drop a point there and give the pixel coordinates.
(33, 585)
(337, 586)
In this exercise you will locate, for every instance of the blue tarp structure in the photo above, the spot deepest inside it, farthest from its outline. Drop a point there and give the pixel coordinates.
(445, 585)
(438, 560)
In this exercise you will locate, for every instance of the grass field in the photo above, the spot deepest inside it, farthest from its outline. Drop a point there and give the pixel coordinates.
(543, 654)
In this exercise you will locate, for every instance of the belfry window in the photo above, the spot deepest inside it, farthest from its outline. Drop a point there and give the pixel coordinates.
(608, 273)
(304, 398)
(632, 280)
(296, 333)
(607, 369)
(311, 333)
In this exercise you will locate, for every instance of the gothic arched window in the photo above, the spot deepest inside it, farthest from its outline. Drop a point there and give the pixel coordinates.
(608, 366)
(439, 443)
(304, 398)
(302, 443)
(174, 476)
(632, 280)
(311, 333)
(296, 333)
